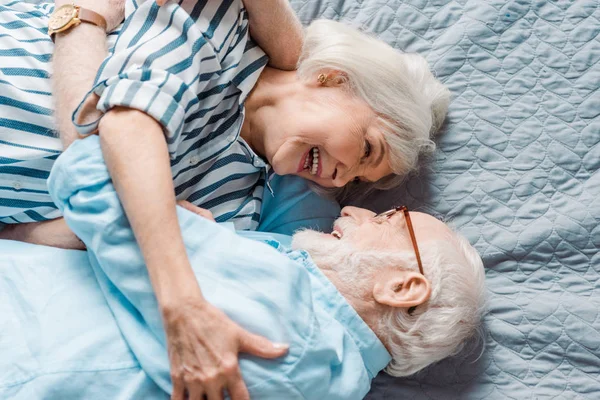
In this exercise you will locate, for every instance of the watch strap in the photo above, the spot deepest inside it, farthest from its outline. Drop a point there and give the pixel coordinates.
(83, 15)
(92, 17)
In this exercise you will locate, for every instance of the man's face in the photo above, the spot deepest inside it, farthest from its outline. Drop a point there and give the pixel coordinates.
(357, 232)
(357, 229)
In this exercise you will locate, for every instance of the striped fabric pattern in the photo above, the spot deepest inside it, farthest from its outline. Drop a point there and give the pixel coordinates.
(28, 143)
(189, 65)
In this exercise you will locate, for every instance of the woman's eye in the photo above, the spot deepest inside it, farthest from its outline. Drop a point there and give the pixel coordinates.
(367, 149)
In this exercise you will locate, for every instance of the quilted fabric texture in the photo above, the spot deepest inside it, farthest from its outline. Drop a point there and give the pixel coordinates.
(516, 171)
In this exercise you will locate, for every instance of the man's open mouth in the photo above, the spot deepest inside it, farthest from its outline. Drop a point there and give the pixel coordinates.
(337, 233)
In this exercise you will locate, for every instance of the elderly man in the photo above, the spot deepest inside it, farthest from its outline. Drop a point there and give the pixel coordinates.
(348, 305)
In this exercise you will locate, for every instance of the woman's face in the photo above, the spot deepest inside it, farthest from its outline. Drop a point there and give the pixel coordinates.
(327, 136)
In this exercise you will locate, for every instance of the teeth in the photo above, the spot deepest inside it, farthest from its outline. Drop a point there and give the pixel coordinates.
(336, 234)
(315, 163)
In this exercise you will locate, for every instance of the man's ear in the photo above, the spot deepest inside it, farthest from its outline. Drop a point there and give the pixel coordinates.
(400, 288)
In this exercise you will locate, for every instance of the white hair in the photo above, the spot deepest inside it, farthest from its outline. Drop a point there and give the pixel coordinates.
(441, 326)
(438, 328)
(410, 102)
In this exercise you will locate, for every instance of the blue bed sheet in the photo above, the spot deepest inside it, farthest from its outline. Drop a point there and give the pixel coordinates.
(517, 173)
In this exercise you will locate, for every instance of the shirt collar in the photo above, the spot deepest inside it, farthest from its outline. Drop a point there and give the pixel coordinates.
(259, 162)
(373, 352)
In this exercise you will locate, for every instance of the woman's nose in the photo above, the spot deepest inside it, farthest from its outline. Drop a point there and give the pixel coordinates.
(339, 178)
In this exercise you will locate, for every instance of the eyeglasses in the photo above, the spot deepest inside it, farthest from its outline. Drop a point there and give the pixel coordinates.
(387, 215)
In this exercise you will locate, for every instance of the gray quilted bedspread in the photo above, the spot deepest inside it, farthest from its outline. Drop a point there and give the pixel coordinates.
(516, 171)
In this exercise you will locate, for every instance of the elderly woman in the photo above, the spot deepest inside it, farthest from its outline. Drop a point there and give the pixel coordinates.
(190, 111)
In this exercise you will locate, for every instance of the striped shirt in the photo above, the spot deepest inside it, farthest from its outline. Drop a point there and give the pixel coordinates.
(190, 66)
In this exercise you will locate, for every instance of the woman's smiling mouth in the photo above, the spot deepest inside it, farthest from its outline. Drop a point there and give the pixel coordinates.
(311, 162)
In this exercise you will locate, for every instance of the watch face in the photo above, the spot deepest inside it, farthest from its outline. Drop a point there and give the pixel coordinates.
(61, 17)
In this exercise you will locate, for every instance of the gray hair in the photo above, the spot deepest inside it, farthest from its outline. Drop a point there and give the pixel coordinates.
(441, 326)
(410, 102)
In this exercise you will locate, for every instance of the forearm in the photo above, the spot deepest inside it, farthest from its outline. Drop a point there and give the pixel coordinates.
(277, 30)
(135, 152)
(78, 53)
(54, 233)
(74, 73)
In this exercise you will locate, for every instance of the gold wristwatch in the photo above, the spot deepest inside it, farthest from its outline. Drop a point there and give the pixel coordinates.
(70, 15)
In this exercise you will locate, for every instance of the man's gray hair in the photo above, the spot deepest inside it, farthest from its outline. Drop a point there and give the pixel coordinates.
(441, 326)
(410, 102)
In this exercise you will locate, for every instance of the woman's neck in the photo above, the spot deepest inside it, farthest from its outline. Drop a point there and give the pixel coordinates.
(272, 86)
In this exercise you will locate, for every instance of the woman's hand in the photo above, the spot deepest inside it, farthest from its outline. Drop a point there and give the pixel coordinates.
(203, 345)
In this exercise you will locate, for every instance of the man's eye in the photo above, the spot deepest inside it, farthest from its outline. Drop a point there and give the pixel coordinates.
(367, 149)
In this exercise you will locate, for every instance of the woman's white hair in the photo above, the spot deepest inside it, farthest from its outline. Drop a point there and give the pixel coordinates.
(410, 102)
(441, 326)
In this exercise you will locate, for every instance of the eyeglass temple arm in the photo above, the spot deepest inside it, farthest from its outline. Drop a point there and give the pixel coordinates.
(413, 238)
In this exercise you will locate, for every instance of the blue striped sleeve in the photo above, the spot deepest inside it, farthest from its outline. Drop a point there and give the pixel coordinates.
(161, 62)
(224, 24)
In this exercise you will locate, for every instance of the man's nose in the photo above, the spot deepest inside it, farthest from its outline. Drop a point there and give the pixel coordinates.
(357, 214)
(347, 211)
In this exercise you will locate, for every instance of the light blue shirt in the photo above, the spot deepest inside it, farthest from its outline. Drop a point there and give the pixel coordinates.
(69, 323)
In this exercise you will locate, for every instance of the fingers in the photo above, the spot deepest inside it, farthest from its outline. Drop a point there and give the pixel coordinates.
(204, 365)
(196, 210)
(208, 384)
(216, 381)
(178, 388)
(237, 388)
(214, 393)
(186, 204)
(195, 392)
(261, 347)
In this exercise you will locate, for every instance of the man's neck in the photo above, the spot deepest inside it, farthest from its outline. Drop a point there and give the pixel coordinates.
(364, 304)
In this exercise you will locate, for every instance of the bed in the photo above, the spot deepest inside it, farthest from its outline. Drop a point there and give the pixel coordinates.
(516, 171)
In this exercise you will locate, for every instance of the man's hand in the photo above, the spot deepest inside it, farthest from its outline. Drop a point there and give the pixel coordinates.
(74, 71)
(54, 233)
(277, 30)
(203, 212)
(113, 11)
(203, 345)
